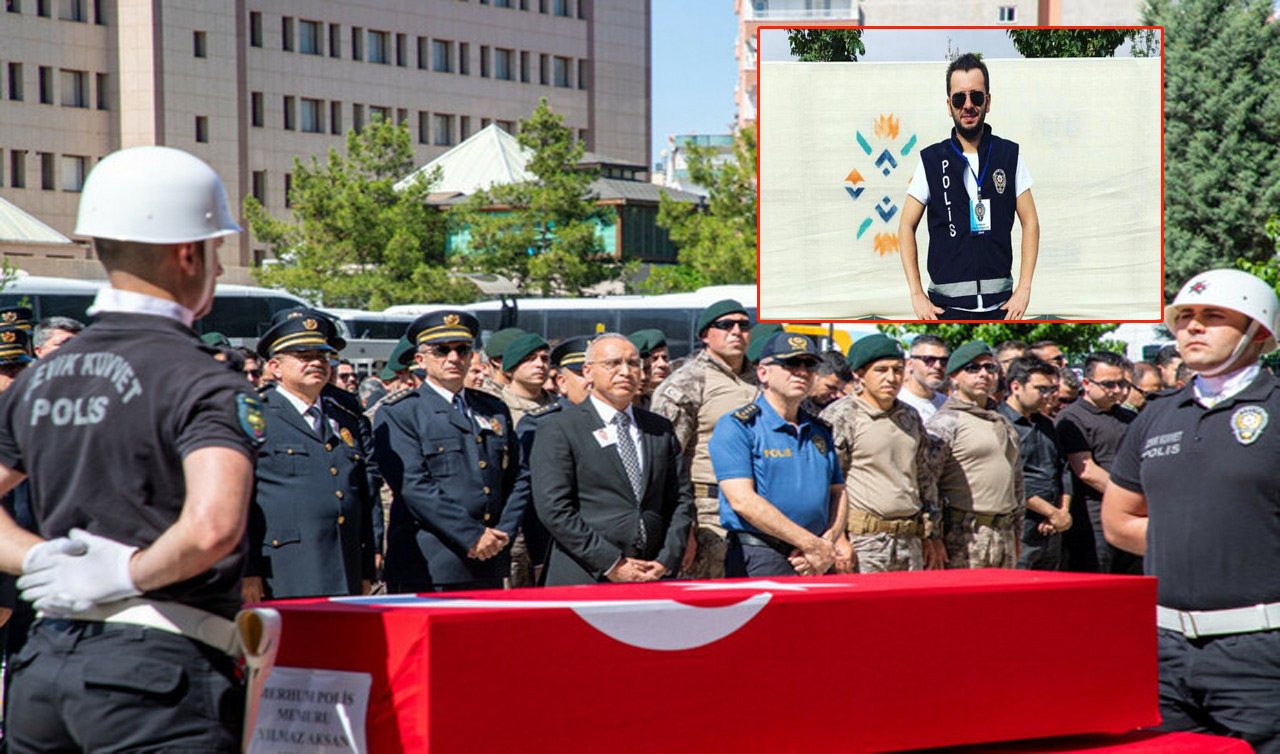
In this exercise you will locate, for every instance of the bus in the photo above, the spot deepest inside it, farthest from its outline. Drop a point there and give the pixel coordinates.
(371, 336)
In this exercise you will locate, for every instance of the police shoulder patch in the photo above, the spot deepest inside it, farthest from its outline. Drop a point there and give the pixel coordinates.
(542, 410)
(249, 412)
(747, 413)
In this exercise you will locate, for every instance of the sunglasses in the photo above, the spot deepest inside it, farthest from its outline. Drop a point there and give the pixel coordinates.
(727, 325)
(1046, 389)
(443, 351)
(989, 368)
(930, 361)
(977, 98)
(1111, 384)
(793, 363)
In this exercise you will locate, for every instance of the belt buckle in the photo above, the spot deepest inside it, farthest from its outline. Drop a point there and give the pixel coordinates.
(1187, 622)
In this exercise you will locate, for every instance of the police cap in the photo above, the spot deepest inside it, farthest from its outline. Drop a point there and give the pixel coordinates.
(872, 348)
(716, 311)
(16, 316)
(570, 353)
(297, 334)
(337, 341)
(443, 326)
(15, 345)
(967, 353)
(785, 345)
(520, 349)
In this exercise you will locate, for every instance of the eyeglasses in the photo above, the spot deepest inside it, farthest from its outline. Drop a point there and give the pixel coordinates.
(613, 365)
(726, 325)
(930, 361)
(1045, 389)
(793, 363)
(253, 372)
(1112, 384)
(977, 98)
(988, 367)
(347, 377)
(443, 351)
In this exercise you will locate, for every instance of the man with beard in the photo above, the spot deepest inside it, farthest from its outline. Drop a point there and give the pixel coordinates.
(926, 374)
(972, 183)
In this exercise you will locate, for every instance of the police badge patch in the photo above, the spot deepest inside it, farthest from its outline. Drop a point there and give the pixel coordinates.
(979, 209)
(998, 177)
(249, 411)
(1248, 422)
(820, 443)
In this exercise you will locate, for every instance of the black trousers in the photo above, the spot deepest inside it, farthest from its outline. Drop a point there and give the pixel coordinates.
(112, 687)
(754, 560)
(1226, 685)
(961, 314)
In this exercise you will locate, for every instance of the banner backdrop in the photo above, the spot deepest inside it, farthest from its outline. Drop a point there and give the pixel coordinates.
(839, 143)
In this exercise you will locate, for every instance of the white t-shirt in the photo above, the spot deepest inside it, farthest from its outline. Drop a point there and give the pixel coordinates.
(926, 407)
(920, 185)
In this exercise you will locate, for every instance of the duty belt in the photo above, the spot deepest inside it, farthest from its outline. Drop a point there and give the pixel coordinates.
(1238, 620)
(863, 522)
(994, 520)
(705, 490)
(173, 617)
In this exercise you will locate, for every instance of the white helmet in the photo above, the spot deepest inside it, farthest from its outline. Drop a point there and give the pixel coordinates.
(1235, 290)
(155, 195)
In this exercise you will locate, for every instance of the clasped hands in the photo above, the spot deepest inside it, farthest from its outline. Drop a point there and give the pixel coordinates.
(68, 575)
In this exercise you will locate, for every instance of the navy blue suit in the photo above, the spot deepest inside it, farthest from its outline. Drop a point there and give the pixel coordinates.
(450, 477)
(309, 525)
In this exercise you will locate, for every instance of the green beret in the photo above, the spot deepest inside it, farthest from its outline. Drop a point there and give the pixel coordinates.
(872, 348)
(967, 353)
(716, 311)
(215, 339)
(759, 334)
(499, 341)
(401, 356)
(520, 348)
(387, 374)
(647, 341)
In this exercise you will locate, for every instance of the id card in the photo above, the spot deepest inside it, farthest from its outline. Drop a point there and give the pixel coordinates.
(979, 216)
(606, 436)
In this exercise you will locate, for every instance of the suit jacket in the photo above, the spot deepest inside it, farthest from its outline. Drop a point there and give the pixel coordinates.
(309, 525)
(450, 477)
(584, 498)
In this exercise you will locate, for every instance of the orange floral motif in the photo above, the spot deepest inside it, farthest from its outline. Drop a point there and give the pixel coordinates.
(886, 243)
(887, 127)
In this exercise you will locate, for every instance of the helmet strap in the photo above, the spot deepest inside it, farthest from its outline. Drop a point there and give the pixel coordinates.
(1229, 363)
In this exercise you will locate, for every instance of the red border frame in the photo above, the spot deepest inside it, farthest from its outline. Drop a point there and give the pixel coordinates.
(759, 123)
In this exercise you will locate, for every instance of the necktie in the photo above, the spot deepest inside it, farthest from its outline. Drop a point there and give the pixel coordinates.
(315, 420)
(459, 406)
(631, 462)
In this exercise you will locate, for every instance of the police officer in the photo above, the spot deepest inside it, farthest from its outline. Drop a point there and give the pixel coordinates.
(1195, 488)
(141, 479)
(719, 379)
(310, 527)
(780, 481)
(16, 316)
(449, 455)
(15, 615)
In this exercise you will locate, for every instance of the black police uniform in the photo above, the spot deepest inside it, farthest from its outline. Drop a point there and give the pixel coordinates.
(1209, 476)
(101, 428)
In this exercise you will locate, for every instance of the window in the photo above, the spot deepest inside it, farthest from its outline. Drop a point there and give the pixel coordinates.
(379, 114)
(378, 47)
(542, 6)
(255, 28)
(286, 34)
(104, 93)
(335, 118)
(506, 125)
(259, 183)
(202, 129)
(524, 66)
(562, 72)
(582, 137)
(74, 10)
(524, 4)
(424, 127)
(424, 54)
(309, 42)
(42, 10)
(290, 112)
(484, 123)
(402, 116)
(13, 6)
(18, 168)
(582, 73)
(502, 3)
(357, 43)
(1, 167)
(15, 82)
(75, 88)
(464, 127)
(484, 61)
(464, 58)
(441, 53)
(443, 130)
(256, 115)
(46, 85)
(502, 67)
(312, 120)
(544, 70)
(48, 169)
(357, 117)
(561, 8)
(288, 189)
(1008, 14)
(198, 44)
(335, 41)
(402, 55)
(99, 14)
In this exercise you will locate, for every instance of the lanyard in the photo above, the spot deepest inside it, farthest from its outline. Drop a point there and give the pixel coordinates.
(986, 164)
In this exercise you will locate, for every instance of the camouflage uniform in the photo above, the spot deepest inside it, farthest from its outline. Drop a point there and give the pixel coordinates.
(521, 564)
(694, 397)
(979, 484)
(889, 464)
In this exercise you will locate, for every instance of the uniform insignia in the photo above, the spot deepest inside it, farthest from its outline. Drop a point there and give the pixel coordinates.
(293, 315)
(452, 319)
(9, 316)
(747, 413)
(979, 210)
(1248, 422)
(249, 411)
(820, 443)
(8, 337)
(1199, 287)
(310, 324)
(496, 424)
(999, 181)
(345, 434)
(393, 398)
(796, 342)
(540, 410)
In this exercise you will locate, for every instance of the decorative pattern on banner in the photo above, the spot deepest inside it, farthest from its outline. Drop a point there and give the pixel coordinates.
(885, 130)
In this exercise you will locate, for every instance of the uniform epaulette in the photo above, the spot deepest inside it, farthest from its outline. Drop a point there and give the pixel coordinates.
(392, 398)
(747, 413)
(542, 410)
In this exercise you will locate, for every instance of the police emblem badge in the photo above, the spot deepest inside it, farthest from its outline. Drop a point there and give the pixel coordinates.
(998, 177)
(979, 210)
(8, 337)
(796, 342)
(249, 412)
(1248, 422)
(452, 319)
(345, 434)
(9, 316)
(310, 324)
(820, 443)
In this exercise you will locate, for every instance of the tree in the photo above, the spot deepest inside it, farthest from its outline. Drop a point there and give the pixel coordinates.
(541, 233)
(717, 239)
(1070, 43)
(826, 45)
(354, 240)
(1074, 339)
(1222, 132)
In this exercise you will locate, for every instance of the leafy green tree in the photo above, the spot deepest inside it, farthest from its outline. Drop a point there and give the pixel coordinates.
(1070, 43)
(826, 45)
(1222, 132)
(541, 233)
(1073, 339)
(717, 240)
(354, 241)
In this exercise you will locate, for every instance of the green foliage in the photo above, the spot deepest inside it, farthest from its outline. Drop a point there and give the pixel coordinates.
(355, 241)
(1069, 43)
(826, 45)
(541, 233)
(717, 242)
(1222, 133)
(1073, 339)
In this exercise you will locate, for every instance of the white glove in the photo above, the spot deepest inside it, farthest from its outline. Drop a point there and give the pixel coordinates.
(63, 583)
(48, 552)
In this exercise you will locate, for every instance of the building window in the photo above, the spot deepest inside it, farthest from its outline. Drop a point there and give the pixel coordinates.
(524, 66)
(377, 114)
(15, 82)
(542, 6)
(357, 117)
(402, 117)
(441, 54)
(1008, 14)
(75, 88)
(202, 129)
(74, 10)
(424, 127)
(544, 70)
(335, 118)
(312, 120)
(48, 171)
(582, 137)
(562, 72)
(255, 28)
(290, 112)
(561, 8)
(335, 41)
(286, 34)
(104, 93)
(484, 61)
(484, 123)
(256, 112)
(502, 67)
(378, 47)
(18, 168)
(506, 125)
(464, 127)
(309, 42)
(99, 13)
(424, 59)
(402, 53)
(524, 4)
(464, 58)
(198, 44)
(357, 43)
(442, 128)
(259, 182)
(288, 189)
(502, 3)
(46, 85)
(582, 73)
(13, 6)
(42, 10)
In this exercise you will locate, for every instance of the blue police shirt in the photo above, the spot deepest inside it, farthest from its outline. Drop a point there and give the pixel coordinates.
(793, 466)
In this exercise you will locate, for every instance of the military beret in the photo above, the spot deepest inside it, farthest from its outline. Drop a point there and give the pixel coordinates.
(716, 311)
(872, 348)
(499, 341)
(387, 374)
(967, 353)
(306, 312)
(215, 339)
(16, 316)
(401, 356)
(297, 334)
(570, 353)
(519, 349)
(759, 335)
(647, 341)
(785, 345)
(15, 345)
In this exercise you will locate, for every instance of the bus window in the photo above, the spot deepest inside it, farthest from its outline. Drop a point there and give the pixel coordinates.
(676, 324)
(70, 305)
(238, 316)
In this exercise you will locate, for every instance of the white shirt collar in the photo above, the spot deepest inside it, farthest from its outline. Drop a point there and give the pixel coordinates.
(295, 401)
(607, 412)
(117, 300)
(442, 391)
(1210, 391)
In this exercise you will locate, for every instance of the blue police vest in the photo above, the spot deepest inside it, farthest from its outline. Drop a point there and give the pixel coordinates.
(962, 265)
